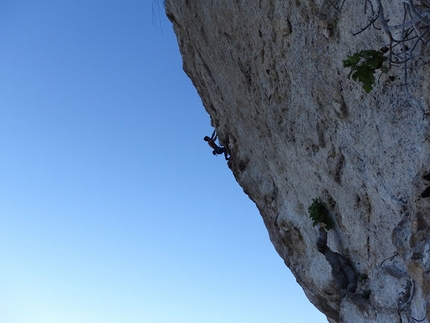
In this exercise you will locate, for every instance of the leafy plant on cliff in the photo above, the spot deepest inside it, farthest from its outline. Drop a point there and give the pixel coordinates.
(406, 25)
(318, 213)
(363, 66)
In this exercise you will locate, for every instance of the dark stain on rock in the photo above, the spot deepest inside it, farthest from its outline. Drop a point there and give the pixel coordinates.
(339, 169)
(242, 165)
(321, 127)
(426, 192)
(171, 17)
(245, 68)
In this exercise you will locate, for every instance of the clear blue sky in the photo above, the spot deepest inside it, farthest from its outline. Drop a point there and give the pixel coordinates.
(112, 207)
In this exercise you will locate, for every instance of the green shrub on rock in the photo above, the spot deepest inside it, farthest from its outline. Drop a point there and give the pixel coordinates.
(319, 214)
(363, 66)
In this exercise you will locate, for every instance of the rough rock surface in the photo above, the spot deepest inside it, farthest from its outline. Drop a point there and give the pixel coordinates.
(270, 75)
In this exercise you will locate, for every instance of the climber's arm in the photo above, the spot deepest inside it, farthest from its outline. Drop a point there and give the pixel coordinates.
(214, 135)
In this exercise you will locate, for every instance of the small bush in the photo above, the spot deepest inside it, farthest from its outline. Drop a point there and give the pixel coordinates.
(318, 213)
(363, 66)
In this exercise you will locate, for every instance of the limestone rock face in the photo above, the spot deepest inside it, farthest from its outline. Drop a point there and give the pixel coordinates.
(270, 75)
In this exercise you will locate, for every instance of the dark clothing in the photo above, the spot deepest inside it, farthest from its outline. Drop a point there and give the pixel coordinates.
(220, 151)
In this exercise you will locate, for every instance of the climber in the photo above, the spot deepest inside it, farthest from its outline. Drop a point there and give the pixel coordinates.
(217, 150)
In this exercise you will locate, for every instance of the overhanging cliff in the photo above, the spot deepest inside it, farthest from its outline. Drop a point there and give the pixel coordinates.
(270, 75)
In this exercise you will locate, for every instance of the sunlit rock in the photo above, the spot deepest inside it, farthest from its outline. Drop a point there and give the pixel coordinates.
(270, 76)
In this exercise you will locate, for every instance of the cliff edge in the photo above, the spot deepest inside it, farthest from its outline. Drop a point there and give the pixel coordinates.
(271, 77)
